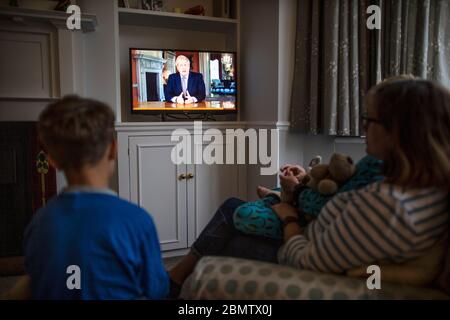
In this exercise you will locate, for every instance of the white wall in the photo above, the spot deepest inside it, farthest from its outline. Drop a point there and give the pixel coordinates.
(290, 143)
(99, 51)
(259, 75)
(259, 60)
(287, 19)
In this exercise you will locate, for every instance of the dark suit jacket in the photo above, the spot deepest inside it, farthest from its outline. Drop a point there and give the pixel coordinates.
(195, 86)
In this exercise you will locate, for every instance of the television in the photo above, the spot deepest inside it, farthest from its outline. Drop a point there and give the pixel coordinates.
(183, 82)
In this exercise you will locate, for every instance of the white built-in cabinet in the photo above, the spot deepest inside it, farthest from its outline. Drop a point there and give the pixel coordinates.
(157, 186)
(181, 198)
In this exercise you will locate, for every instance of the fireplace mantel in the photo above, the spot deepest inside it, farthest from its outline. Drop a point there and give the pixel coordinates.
(45, 59)
(57, 18)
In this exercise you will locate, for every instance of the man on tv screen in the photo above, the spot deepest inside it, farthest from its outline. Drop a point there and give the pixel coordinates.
(185, 86)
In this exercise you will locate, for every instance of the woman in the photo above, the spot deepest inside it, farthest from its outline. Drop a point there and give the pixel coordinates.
(399, 219)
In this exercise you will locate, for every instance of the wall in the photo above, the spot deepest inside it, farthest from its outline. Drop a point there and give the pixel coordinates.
(259, 75)
(290, 143)
(99, 50)
(259, 60)
(29, 61)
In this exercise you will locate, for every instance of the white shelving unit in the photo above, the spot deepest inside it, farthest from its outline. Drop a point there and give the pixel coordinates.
(138, 28)
(180, 207)
(160, 19)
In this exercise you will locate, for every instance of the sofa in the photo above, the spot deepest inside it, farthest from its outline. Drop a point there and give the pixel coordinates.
(226, 278)
(241, 279)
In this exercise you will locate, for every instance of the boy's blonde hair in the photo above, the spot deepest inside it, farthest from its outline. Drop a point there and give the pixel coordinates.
(76, 131)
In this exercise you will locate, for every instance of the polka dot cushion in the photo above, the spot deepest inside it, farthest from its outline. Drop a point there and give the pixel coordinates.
(231, 278)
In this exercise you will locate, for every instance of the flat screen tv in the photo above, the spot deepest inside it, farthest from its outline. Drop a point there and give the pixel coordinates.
(183, 81)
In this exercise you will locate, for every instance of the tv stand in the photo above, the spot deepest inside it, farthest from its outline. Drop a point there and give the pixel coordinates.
(180, 196)
(187, 116)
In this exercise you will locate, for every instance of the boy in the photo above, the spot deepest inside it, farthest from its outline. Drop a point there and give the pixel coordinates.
(87, 243)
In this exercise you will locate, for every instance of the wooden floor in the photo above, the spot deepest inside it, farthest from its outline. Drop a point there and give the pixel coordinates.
(169, 263)
(7, 282)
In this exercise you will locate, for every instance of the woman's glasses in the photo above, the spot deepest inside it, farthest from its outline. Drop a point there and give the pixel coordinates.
(366, 120)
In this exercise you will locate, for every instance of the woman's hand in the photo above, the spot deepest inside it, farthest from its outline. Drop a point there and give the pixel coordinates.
(288, 182)
(284, 210)
(298, 171)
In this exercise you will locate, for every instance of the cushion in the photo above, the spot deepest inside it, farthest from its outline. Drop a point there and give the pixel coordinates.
(232, 278)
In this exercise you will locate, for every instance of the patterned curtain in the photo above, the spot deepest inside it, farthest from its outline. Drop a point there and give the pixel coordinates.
(332, 66)
(338, 59)
(415, 39)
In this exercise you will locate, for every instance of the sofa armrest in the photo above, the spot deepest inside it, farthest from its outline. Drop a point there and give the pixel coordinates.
(241, 279)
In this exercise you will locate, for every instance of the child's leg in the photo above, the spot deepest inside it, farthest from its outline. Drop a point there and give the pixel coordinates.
(211, 241)
(258, 218)
(184, 268)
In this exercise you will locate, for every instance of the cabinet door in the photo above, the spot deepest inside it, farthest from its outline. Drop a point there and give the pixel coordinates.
(155, 186)
(209, 188)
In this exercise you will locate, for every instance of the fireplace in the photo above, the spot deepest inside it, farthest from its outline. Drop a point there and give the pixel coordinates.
(152, 85)
(26, 183)
(150, 69)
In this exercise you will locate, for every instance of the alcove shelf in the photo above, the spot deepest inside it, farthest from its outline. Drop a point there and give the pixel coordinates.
(139, 17)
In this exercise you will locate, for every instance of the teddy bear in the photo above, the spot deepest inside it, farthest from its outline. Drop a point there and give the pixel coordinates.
(326, 178)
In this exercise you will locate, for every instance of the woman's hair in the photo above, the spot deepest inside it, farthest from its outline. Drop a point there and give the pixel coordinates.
(416, 114)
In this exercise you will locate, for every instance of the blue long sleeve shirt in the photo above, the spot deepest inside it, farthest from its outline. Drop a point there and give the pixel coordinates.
(94, 245)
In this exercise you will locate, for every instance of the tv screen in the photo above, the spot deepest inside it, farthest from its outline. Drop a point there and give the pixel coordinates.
(180, 81)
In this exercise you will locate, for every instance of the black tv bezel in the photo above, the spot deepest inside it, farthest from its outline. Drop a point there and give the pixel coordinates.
(178, 111)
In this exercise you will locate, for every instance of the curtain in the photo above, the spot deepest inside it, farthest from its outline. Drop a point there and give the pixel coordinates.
(415, 39)
(332, 66)
(338, 58)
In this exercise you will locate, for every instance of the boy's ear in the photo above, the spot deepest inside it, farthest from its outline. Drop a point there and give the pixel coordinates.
(52, 162)
(113, 150)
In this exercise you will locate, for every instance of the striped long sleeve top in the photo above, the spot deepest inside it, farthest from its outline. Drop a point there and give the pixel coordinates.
(374, 223)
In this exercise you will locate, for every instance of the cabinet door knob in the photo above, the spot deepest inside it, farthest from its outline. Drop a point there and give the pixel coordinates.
(182, 176)
(190, 176)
